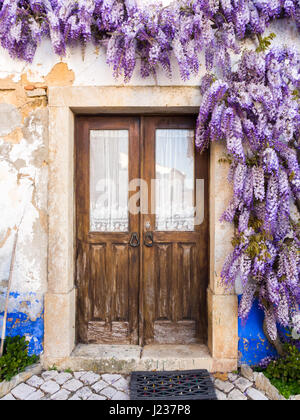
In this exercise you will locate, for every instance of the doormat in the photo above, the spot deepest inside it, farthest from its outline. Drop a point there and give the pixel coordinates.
(176, 385)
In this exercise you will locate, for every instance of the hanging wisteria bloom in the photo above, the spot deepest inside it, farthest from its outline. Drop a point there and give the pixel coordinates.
(184, 28)
(265, 177)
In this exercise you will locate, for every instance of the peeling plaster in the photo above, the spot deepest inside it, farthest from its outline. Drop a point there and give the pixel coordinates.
(60, 75)
(23, 191)
(29, 304)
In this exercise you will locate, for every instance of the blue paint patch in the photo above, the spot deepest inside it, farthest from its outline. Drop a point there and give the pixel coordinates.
(253, 344)
(25, 318)
(20, 324)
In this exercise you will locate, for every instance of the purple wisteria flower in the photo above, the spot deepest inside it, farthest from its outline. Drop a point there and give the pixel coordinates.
(264, 172)
(184, 28)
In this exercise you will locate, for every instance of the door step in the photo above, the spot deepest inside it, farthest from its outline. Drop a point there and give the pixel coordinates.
(127, 358)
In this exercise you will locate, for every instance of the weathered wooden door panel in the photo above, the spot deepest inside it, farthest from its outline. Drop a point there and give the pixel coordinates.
(140, 278)
(108, 281)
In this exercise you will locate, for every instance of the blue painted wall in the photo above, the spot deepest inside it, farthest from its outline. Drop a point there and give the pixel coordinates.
(20, 324)
(253, 344)
(25, 318)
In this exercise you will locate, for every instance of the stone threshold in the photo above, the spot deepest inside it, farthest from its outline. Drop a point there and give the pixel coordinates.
(128, 358)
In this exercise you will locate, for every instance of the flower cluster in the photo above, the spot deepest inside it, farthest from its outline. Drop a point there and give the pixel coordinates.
(148, 34)
(256, 111)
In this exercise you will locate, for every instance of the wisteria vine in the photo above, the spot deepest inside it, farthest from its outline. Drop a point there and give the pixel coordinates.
(254, 109)
(256, 112)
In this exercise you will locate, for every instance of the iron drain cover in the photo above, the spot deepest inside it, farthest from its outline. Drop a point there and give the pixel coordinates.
(176, 385)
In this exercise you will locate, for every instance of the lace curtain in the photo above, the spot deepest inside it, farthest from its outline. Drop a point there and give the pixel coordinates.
(109, 181)
(175, 180)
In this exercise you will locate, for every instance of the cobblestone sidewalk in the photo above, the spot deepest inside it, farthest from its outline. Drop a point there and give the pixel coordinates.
(52, 385)
(237, 387)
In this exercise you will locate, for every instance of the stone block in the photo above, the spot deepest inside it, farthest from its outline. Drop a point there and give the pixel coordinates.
(97, 387)
(77, 375)
(61, 395)
(220, 395)
(89, 378)
(247, 372)
(8, 397)
(50, 387)
(263, 384)
(242, 384)
(63, 377)
(121, 385)
(22, 391)
(96, 397)
(35, 93)
(36, 396)
(236, 395)
(49, 374)
(223, 326)
(120, 396)
(111, 379)
(73, 385)
(232, 377)
(59, 324)
(224, 386)
(109, 392)
(84, 393)
(256, 395)
(220, 193)
(35, 381)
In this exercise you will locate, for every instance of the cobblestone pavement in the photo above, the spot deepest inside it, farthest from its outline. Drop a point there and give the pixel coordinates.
(235, 387)
(53, 385)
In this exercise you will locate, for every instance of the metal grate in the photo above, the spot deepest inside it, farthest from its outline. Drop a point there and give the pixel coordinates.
(177, 385)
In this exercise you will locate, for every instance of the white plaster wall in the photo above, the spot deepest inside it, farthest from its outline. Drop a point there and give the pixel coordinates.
(23, 195)
(90, 68)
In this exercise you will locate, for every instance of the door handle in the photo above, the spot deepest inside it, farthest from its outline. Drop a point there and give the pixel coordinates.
(134, 240)
(148, 241)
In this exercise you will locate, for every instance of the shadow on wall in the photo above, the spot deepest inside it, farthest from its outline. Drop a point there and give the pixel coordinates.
(253, 344)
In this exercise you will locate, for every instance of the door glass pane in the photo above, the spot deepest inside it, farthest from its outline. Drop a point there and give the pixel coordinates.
(109, 180)
(174, 180)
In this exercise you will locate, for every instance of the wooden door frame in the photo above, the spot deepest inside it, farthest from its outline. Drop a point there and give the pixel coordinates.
(64, 104)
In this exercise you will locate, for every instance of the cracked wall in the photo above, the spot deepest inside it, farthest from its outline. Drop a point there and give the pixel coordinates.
(23, 197)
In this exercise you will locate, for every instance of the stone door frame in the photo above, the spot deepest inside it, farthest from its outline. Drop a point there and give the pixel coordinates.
(60, 299)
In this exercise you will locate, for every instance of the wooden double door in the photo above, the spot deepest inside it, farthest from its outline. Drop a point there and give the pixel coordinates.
(142, 231)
